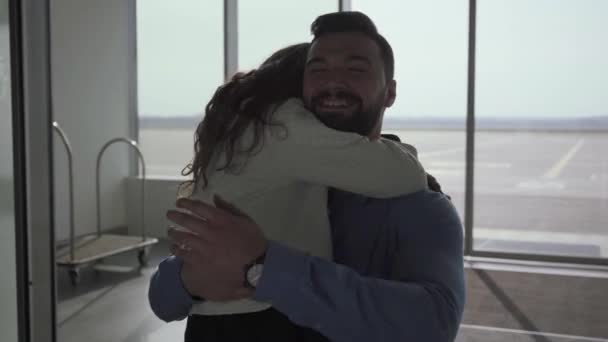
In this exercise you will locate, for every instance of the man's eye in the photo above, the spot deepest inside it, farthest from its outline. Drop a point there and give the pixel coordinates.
(315, 70)
(357, 69)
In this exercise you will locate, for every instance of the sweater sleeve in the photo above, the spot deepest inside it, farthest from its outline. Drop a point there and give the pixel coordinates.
(312, 152)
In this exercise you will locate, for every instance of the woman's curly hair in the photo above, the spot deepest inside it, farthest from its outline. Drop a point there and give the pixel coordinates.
(244, 101)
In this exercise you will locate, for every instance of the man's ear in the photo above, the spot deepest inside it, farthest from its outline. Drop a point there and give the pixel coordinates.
(391, 93)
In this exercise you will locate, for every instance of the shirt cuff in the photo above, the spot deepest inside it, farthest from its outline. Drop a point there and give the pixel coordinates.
(284, 273)
(173, 284)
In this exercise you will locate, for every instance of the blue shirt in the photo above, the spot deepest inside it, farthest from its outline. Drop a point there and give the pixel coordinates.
(397, 273)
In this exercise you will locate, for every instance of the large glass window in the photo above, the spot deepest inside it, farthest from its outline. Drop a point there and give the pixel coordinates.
(429, 39)
(266, 26)
(541, 166)
(541, 178)
(180, 62)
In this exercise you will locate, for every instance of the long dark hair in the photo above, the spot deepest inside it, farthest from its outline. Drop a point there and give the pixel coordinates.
(243, 101)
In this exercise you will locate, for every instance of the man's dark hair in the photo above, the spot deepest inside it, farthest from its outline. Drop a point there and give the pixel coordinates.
(339, 22)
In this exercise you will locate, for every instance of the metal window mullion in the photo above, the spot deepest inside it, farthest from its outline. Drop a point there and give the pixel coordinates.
(133, 97)
(231, 46)
(344, 5)
(470, 132)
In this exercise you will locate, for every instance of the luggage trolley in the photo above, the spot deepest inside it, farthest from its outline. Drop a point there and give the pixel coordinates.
(92, 249)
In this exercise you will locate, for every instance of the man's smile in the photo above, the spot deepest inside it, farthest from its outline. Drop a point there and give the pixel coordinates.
(333, 104)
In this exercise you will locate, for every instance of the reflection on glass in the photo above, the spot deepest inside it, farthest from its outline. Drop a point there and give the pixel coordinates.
(430, 48)
(180, 63)
(266, 26)
(541, 167)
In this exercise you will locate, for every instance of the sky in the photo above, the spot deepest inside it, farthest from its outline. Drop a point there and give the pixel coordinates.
(535, 58)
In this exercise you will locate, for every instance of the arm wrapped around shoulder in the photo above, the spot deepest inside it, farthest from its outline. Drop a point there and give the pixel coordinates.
(313, 152)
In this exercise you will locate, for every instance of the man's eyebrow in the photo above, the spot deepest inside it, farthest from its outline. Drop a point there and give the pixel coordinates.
(358, 58)
(314, 60)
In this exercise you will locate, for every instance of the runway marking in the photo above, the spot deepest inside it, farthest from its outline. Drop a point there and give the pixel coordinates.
(534, 333)
(559, 166)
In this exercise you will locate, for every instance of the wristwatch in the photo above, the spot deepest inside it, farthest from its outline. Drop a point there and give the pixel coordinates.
(253, 272)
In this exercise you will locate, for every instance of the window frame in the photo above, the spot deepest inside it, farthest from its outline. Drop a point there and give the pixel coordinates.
(469, 249)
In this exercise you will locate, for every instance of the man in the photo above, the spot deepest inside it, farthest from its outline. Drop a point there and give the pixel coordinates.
(397, 273)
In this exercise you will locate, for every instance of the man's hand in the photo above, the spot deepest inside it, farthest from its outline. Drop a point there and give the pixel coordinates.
(221, 242)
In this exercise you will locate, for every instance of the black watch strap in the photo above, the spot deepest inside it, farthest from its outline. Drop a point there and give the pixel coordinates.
(260, 259)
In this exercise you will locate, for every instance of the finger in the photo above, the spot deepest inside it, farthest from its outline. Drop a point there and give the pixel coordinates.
(202, 209)
(178, 252)
(227, 206)
(197, 257)
(181, 229)
(194, 224)
(185, 239)
(176, 236)
(174, 249)
(187, 257)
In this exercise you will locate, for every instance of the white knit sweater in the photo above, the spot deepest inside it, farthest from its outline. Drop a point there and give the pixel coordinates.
(283, 186)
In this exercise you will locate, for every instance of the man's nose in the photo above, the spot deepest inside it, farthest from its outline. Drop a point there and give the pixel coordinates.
(335, 85)
(334, 76)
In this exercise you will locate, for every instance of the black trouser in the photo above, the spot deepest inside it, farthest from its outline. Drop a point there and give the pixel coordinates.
(264, 326)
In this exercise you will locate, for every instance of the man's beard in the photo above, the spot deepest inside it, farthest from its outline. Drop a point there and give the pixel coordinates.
(361, 120)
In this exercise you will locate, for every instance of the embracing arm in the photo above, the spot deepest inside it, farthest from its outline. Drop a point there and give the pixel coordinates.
(314, 153)
(423, 301)
(168, 298)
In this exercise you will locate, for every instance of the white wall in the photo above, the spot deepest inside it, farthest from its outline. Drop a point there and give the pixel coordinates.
(160, 196)
(8, 285)
(92, 54)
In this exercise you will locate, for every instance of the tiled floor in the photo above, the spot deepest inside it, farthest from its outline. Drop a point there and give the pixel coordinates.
(114, 307)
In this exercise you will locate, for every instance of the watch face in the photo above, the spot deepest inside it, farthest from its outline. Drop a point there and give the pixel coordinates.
(254, 274)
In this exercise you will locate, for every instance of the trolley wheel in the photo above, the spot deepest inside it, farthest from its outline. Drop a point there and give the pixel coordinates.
(143, 256)
(74, 276)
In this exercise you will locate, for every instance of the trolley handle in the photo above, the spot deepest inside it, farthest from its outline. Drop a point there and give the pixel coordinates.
(134, 145)
(68, 148)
